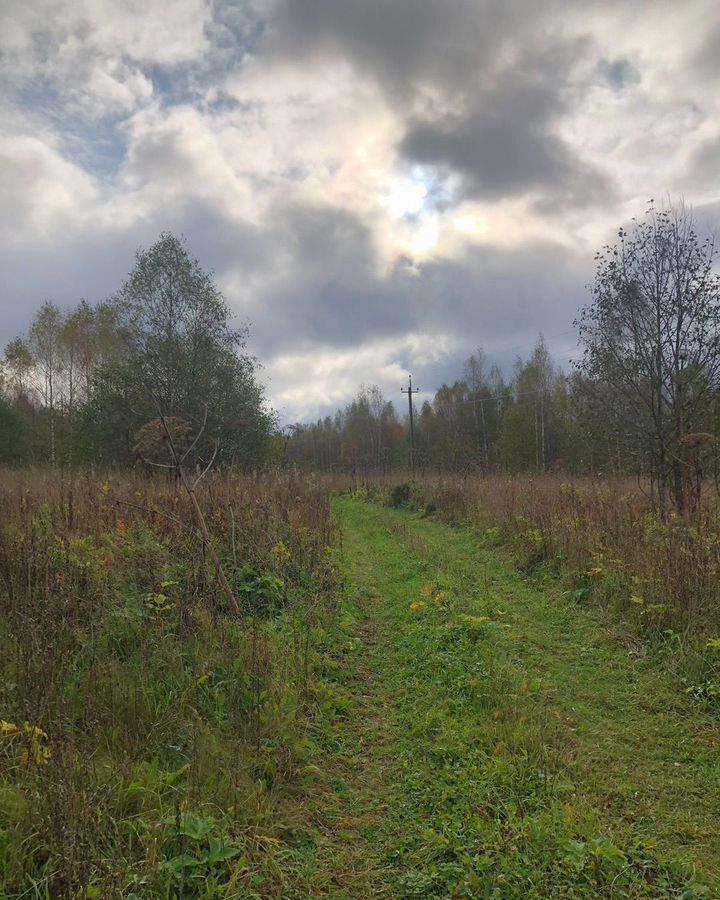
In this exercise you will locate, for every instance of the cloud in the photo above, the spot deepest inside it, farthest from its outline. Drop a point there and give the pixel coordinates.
(618, 73)
(41, 190)
(414, 50)
(91, 49)
(505, 148)
(377, 186)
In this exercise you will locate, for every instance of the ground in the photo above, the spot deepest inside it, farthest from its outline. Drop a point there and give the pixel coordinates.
(495, 737)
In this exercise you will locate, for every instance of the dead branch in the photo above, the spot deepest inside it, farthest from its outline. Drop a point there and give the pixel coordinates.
(200, 518)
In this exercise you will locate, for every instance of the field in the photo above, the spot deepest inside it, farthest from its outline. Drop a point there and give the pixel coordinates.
(436, 688)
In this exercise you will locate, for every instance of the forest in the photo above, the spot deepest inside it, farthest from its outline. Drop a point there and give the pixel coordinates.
(81, 384)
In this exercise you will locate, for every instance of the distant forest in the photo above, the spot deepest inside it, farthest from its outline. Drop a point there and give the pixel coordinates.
(88, 386)
(642, 401)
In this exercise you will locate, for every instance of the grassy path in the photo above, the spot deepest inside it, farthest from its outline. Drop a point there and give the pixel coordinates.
(499, 742)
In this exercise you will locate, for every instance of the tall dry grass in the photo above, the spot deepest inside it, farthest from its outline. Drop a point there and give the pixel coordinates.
(143, 725)
(658, 575)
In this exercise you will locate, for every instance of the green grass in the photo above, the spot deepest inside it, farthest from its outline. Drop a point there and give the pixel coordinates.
(450, 727)
(499, 740)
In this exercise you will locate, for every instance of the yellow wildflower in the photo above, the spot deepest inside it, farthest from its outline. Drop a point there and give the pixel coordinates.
(418, 604)
(280, 552)
(426, 590)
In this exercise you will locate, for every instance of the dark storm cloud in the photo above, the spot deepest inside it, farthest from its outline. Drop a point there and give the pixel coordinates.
(491, 295)
(404, 44)
(330, 293)
(505, 143)
(503, 148)
(509, 79)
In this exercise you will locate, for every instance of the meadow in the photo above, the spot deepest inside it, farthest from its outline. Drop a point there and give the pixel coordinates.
(656, 576)
(150, 738)
(436, 687)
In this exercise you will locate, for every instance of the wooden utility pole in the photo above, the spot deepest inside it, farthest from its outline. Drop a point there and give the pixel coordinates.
(410, 391)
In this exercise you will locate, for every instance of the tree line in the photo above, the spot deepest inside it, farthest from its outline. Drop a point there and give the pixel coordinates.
(643, 400)
(90, 386)
(87, 386)
(481, 422)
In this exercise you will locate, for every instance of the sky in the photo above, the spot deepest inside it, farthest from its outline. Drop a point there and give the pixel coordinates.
(379, 186)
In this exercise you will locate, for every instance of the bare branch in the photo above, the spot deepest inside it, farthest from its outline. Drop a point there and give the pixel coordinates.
(197, 437)
(207, 467)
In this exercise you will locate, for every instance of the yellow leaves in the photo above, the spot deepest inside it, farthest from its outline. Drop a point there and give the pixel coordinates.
(35, 749)
(440, 597)
(713, 644)
(280, 552)
(638, 601)
(595, 572)
(418, 604)
(38, 751)
(474, 620)
(267, 839)
(34, 731)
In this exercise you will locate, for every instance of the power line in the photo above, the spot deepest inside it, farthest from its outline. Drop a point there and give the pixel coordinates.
(511, 395)
(551, 337)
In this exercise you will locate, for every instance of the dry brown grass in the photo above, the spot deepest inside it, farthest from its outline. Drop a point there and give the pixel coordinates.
(605, 534)
(159, 705)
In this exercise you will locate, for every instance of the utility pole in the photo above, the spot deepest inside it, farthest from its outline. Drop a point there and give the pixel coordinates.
(410, 391)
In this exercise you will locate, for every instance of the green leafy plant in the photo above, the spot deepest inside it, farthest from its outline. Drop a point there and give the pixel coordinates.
(260, 595)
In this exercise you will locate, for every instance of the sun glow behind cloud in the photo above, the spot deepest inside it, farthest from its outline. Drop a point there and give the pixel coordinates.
(354, 173)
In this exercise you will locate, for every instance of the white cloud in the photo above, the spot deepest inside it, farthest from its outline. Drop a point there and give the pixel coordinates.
(279, 154)
(306, 384)
(42, 193)
(91, 52)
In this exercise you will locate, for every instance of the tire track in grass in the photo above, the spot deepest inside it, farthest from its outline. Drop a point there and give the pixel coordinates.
(502, 743)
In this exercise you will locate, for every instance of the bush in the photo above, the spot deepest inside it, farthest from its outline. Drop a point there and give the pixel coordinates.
(400, 494)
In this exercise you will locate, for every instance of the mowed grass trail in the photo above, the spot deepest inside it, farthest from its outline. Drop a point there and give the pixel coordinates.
(501, 741)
